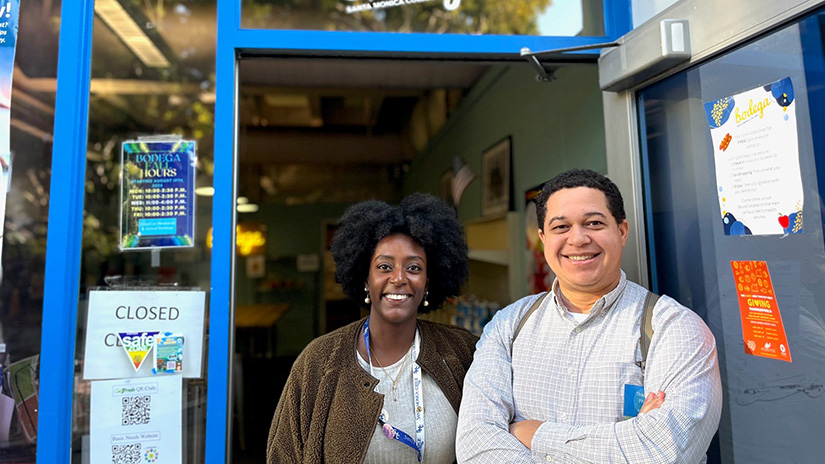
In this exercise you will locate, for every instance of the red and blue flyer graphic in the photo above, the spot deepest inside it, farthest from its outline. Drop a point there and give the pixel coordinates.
(158, 194)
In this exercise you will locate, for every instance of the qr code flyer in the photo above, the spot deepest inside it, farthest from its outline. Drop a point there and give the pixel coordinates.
(136, 421)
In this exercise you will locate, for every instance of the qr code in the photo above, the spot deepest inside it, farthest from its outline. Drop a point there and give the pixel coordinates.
(136, 410)
(126, 454)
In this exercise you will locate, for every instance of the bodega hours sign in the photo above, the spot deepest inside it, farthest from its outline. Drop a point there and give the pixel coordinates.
(157, 194)
(113, 313)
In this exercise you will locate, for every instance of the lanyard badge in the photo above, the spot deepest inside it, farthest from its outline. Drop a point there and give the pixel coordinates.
(394, 433)
(634, 398)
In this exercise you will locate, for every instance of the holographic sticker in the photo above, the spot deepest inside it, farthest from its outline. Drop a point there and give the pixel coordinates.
(137, 346)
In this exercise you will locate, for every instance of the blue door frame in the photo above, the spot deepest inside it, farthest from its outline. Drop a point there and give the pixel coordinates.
(69, 170)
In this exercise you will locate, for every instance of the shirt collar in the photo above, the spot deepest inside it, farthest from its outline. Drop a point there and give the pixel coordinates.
(603, 304)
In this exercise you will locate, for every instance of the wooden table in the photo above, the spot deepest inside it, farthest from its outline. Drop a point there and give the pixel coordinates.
(259, 315)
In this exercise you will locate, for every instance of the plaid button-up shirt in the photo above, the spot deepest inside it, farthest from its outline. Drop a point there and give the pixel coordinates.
(572, 375)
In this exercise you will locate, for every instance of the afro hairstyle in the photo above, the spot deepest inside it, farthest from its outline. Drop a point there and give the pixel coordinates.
(427, 220)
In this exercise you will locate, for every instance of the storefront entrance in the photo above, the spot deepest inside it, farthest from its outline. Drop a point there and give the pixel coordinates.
(301, 109)
(300, 112)
(316, 135)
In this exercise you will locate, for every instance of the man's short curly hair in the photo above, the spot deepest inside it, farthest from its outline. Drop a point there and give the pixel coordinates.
(581, 178)
(429, 221)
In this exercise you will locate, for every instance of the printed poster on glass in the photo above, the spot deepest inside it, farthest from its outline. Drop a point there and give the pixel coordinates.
(157, 194)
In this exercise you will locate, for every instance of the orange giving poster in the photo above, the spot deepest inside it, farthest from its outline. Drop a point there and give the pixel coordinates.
(762, 327)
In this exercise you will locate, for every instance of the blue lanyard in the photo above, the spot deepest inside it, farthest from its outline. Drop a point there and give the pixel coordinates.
(389, 430)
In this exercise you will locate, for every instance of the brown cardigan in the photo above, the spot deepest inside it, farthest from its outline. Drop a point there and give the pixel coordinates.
(328, 409)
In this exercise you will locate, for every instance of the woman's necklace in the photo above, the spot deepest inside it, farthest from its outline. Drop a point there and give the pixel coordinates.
(418, 395)
(397, 374)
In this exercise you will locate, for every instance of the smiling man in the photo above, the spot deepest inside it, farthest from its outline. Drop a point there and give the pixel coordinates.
(555, 376)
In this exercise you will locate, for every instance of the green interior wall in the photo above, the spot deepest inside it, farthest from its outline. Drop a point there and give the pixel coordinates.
(554, 127)
(292, 230)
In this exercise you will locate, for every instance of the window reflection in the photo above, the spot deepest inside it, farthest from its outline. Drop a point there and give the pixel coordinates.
(27, 208)
(488, 17)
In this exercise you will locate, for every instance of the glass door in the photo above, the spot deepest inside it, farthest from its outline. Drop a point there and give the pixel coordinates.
(733, 164)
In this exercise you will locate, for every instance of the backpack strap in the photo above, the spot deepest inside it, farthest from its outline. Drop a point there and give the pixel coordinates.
(647, 327)
(526, 316)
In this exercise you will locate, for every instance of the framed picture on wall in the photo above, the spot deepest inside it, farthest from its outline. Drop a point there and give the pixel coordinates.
(495, 179)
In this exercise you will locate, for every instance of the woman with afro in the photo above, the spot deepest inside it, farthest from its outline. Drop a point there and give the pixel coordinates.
(385, 389)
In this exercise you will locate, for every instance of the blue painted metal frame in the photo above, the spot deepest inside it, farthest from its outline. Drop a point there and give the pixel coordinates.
(66, 210)
(232, 40)
(64, 239)
(389, 42)
(221, 321)
(618, 18)
(616, 14)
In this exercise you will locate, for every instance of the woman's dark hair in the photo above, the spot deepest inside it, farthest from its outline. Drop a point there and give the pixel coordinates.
(581, 178)
(427, 220)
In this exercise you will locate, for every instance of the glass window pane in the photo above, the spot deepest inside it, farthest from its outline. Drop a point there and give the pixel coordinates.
(28, 131)
(491, 17)
(152, 93)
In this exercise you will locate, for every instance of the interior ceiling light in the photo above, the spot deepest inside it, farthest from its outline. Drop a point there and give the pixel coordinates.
(248, 208)
(243, 200)
(30, 129)
(205, 191)
(124, 26)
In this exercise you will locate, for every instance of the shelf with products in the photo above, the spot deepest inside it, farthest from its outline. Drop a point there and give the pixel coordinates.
(500, 257)
(466, 311)
(494, 261)
(495, 279)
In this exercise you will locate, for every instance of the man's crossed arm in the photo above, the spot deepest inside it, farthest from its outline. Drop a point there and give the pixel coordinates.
(676, 430)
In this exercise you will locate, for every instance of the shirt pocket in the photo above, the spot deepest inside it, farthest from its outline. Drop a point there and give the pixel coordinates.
(601, 391)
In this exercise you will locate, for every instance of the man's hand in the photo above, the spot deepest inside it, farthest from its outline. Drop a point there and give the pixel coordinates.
(524, 430)
(653, 401)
